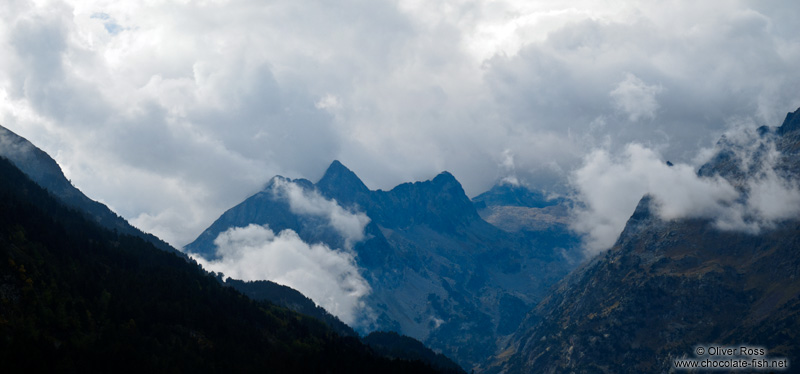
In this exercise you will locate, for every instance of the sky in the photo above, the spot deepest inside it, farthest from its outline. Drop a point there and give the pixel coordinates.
(171, 112)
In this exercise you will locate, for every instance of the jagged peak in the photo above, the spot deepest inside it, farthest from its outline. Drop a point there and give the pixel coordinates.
(643, 208)
(272, 181)
(445, 177)
(791, 123)
(339, 176)
(509, 194)
(337, 165)
(641, 217)
(446, 204)
(305, 183)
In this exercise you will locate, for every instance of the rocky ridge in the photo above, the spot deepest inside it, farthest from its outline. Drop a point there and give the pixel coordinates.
(438, 271)
(666, 287)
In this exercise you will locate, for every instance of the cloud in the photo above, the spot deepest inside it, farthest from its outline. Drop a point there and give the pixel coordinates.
(610, 187)
(329, 277)
(635, 98)
(507, 168)
(770, 194)
(774, 198)
(348, 224)
(167, 109)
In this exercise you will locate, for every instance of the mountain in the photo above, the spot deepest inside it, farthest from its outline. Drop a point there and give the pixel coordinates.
(543, 220)
(508, 194)
(43, 170)
(263, 208)
(386, 344)
(76, 296)
(667, 287)
(394, 345)
(288, 298)
(438, 272)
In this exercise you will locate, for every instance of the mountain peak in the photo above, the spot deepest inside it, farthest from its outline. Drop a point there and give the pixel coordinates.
(643, 216)
(444, 178)
(446, 206)
(507, 194)
(445, 182)
(339, 178)
(342, 184)
(791, 123)
(302, 182)
(336, 164)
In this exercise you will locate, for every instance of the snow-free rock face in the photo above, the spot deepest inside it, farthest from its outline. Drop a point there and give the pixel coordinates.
(506, 194)
(43, 170)
(438, 271)
(543, 220)
(666, 287)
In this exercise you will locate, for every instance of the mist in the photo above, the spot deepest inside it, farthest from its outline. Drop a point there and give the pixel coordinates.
(328, 277)
(350, 225)
(609, 186)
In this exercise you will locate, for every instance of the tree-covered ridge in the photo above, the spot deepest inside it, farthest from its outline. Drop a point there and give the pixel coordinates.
(287, 297)
(387, 344)
(394, 345)
(45, 172)
(77, 297)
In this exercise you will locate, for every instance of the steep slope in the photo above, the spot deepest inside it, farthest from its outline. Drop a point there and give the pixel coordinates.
(667, 287)
(43, 170)
(386, 344)
(288, 298)
(77, 297)
(392, 344)
(438, 272)
(266, 207)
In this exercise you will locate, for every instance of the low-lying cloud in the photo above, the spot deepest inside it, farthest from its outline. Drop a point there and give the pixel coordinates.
(327, 276)
(350, 225)
(610, 187)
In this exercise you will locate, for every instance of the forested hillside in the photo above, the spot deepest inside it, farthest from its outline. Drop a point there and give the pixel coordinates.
(77, 297)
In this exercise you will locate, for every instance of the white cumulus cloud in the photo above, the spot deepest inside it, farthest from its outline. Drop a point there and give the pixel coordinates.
(327, 276)
(610, 186)
(350, 225)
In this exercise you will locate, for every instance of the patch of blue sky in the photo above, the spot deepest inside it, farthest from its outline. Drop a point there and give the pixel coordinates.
(112, 27)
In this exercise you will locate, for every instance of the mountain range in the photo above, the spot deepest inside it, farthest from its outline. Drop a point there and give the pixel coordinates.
(438, 271)
(543, 220)
(496, 282)
(669, 286)
(82, 290)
